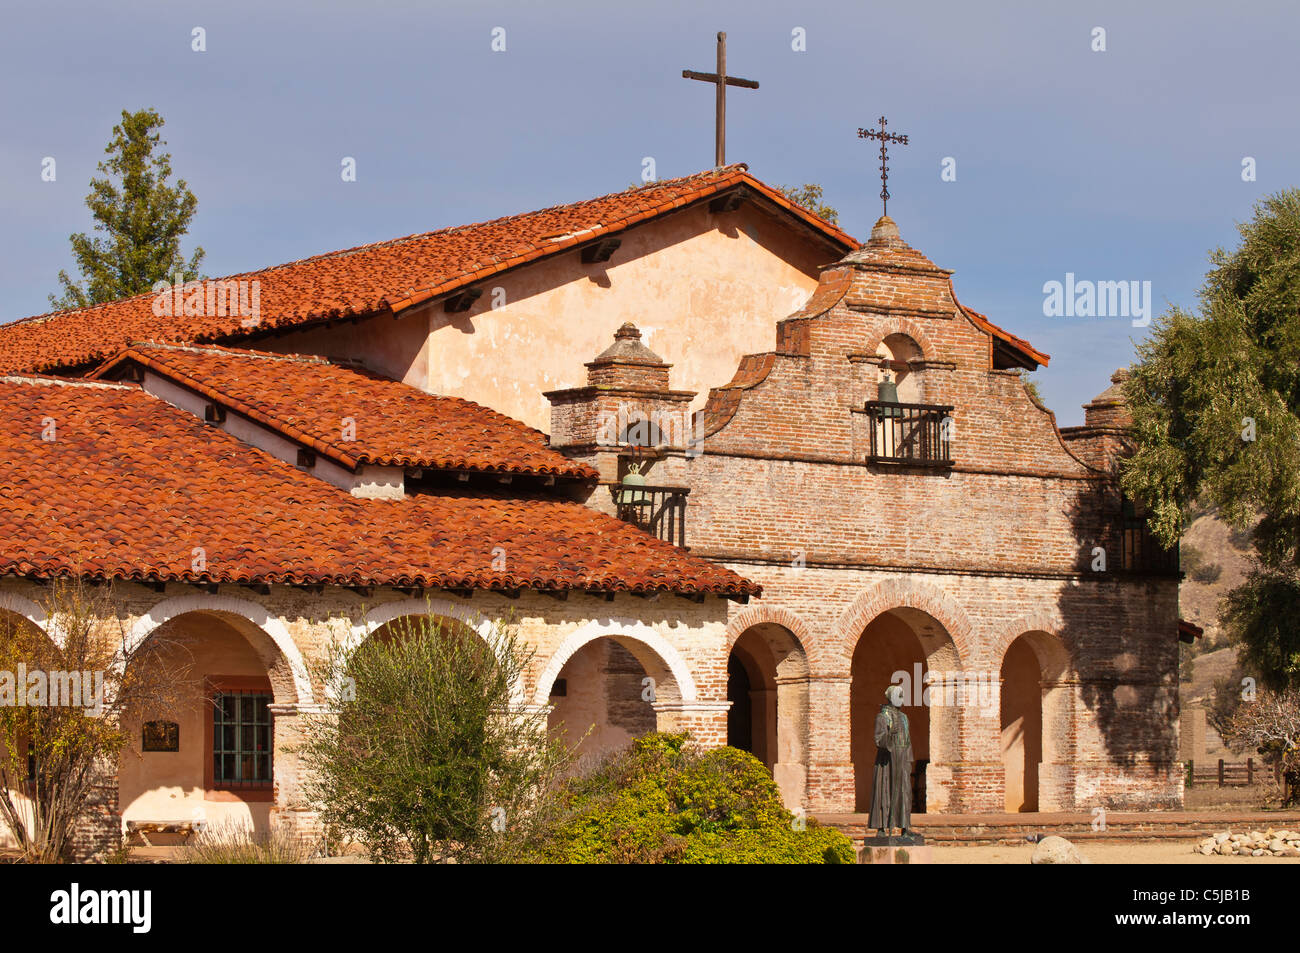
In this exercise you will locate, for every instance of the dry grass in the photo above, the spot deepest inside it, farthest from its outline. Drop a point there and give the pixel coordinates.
(229, 843)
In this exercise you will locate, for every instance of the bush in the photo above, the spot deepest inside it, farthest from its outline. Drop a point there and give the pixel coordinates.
(1207, 574)
(421, 753)
(662, 802)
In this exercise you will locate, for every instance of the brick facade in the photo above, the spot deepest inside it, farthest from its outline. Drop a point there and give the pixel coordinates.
(1000, 544)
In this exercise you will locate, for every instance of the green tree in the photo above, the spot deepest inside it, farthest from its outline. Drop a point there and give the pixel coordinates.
(142, 218)
(424, 752)
(1215, 396)
(56, 750)
(810, 197)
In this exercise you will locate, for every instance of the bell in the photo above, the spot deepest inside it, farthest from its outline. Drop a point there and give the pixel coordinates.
(633, 479)
(887, 393)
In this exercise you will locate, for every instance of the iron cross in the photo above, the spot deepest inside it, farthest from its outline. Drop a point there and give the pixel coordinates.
(884, 137)
(721, 80)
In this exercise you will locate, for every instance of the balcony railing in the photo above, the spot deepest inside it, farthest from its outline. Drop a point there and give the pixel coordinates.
(1131, 548)
(659, 510)
(909, 434)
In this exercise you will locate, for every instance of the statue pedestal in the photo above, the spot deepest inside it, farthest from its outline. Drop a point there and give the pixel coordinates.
(911, 849)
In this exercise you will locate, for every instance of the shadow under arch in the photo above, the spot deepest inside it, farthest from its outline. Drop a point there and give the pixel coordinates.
(768, 685)
(907, 646)
(1036, 721)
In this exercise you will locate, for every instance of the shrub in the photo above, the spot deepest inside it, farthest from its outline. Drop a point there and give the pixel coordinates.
(660, 801)
(422, 753)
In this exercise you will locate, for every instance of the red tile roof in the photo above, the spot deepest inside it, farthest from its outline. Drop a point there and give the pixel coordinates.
(388, 276)
(1006, 337)
(306, 399)
(131, 487)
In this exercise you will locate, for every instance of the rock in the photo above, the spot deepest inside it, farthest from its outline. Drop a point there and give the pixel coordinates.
(1057, 850)
(1226, 848)
(1257, 852)
(1276, 845)
(1220, 838)
(1289, 852)
(1205, 849)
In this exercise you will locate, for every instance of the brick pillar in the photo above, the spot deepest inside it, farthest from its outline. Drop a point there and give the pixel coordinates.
(830, 757)
(790, 760)
(99, 829)
(978, 783)
(291, 812)
(704, 721)
(1056, 775)
(945, 742)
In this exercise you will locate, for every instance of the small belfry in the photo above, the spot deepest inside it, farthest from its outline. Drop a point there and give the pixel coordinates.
(885, 138)
(721, 80)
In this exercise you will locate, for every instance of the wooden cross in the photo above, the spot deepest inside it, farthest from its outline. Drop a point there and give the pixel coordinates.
(884, 138)
(722, 81)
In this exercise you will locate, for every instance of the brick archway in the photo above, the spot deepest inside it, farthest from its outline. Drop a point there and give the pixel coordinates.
(243, 611)
(389, 611)
(903, 593)
(898, 325)
(777, 615)
(486, 628)
(1045, 622)
(626, 629)
(31, 611)
(1037, 678)
(768, 685)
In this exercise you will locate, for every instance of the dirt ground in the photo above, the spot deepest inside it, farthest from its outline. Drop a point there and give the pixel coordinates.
(1172, 851)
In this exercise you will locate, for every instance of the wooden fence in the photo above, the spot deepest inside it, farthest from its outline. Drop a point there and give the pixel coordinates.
(1230, 774)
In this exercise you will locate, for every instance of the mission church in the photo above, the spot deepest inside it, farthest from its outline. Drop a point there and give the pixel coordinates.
(689, 432)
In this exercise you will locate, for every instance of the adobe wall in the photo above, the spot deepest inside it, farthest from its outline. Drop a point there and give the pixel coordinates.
(685, 279)
(681, 644)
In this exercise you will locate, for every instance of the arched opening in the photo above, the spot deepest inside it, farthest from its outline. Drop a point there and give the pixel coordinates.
(1032, 695)
(207, 754)
(608, 692)
(403, 625)
(767, 685)
(741, 715)
(898, 351)
(902, 646)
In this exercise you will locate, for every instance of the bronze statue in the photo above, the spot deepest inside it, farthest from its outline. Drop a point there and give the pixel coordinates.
(891, 782)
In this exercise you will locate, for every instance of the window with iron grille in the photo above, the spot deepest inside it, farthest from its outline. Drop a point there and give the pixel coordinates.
(241, 739)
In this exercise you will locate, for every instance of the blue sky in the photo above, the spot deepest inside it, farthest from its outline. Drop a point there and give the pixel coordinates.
(1116, 165)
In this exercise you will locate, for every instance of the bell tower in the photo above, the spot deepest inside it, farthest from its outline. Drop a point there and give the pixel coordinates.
(626, 413)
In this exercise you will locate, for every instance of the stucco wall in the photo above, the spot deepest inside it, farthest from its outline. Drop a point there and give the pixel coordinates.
(704, 287)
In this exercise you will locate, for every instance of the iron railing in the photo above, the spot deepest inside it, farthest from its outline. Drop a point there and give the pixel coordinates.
(659, 510)
(910, 434)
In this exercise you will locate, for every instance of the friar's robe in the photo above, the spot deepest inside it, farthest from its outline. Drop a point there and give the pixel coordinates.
(891, 780)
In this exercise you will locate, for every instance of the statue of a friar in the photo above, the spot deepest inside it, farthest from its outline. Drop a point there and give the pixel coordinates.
(891, 782)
